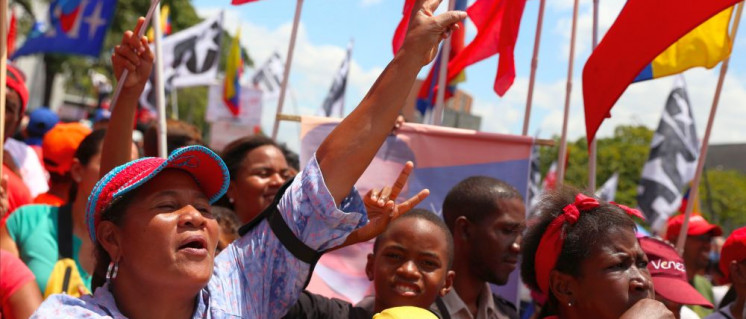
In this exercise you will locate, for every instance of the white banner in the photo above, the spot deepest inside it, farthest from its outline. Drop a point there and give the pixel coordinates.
(190, 58)
(250, 112)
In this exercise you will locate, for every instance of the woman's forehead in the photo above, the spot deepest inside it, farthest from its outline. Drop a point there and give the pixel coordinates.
(172, 181)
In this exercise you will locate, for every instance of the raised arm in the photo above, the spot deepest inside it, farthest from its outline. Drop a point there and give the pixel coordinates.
(350, 148)
(134, 55)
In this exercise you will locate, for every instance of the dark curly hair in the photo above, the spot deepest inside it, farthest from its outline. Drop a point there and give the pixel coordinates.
(590, 231)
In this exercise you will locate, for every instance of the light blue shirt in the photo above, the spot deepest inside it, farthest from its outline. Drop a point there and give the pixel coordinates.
(255, 276)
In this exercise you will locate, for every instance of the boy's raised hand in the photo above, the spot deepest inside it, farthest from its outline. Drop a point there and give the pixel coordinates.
(382, 208)
(134, 55)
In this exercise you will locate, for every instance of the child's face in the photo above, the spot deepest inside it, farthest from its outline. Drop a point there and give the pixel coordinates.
(410, 266)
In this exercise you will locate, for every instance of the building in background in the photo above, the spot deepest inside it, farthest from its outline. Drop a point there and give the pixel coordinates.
(457, 112)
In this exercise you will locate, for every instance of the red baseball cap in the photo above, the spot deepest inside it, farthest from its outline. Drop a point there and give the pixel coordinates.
(698, 225)
(198, 161)
(15, 81)
(669, 274)
(734, 248)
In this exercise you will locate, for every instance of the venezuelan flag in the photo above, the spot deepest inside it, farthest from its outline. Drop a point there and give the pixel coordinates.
(706, 46)
(165, 24)
(231, 87)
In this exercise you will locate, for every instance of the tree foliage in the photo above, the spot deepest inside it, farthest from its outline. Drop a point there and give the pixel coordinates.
(721, 193)
(626, 152)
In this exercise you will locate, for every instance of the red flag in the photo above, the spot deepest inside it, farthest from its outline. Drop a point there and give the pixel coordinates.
(401, 29)
(642, 30)
(237, 2)
(497, 22)
(12, 34)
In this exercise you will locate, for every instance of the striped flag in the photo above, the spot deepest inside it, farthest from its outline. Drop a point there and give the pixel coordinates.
(334, 102)
(672, 160)
(231, 87)
(165, 24)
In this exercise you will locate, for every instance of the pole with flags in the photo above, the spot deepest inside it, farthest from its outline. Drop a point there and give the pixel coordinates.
(288, 62)
(563, 143)
(160, 90)
(593, 151)
(443, 75)
(706, 140)
(534, 66)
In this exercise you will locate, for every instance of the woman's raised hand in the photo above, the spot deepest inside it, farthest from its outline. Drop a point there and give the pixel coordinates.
(134, 55)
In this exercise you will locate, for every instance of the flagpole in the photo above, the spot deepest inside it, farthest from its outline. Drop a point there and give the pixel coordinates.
(443, 75)
(563, 144)
(3, 74)
(534, 66)
(706, 140)
(286, 72)
(593, 152)
(174, 104)
(160, 91)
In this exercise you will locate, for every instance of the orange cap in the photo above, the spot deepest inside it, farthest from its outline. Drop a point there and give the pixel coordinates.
(59, 145)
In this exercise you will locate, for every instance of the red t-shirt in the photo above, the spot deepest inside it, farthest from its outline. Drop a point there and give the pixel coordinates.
(14, 274)
(18, 193)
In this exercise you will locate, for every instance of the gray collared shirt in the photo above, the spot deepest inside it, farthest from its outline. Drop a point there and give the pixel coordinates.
(457, 309)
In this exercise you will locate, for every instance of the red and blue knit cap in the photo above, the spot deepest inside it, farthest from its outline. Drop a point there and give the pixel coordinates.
(207, 169)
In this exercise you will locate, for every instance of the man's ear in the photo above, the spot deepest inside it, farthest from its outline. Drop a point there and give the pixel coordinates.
(450, 276)
(370, 266)
(737, 273)
(563, 286)
(110, 237)
(462, 229)
(76, 171)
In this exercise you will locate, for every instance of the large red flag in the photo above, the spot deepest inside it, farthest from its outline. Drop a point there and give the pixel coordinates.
(11, 44)
(237, 2)
(401, 29)
(642, 30)
(497, 22)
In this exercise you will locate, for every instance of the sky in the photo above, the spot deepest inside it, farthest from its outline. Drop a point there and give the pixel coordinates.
(327, 26)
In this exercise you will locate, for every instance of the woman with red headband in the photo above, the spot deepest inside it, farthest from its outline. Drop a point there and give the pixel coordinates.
(583, 255)
(155, 236)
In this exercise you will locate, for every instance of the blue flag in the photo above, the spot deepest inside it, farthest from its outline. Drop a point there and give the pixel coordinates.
(74, 27)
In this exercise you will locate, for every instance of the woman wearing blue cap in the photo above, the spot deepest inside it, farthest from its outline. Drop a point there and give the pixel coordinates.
(154, 233)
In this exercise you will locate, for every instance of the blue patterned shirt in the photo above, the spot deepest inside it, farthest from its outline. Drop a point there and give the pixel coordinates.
(255, 276)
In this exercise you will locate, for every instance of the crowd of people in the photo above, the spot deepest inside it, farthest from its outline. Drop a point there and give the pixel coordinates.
(92, 229)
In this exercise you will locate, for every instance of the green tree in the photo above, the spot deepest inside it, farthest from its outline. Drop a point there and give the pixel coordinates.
(721, 198)
(624, 152)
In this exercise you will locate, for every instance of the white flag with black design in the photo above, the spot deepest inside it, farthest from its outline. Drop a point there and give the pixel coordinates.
(607, 191)
(190, 58)
(268, 77)
(672, 161)
(335, 100)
